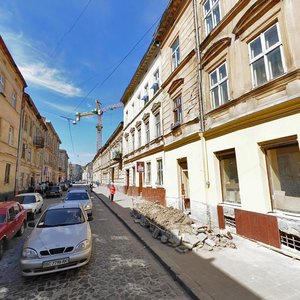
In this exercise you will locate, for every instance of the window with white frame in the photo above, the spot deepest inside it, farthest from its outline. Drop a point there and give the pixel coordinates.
(157, 125)
(146, 93)
(219, 86)
(212, 14)
(133, 141)
(147, 132)
(175, 54)
(14, 99)
(155, 85)
(1, 83)
(11, 136)
(139, 134)
(148, 172)
(266, 56)
(132, 109)
(177, 111)
(159, 166)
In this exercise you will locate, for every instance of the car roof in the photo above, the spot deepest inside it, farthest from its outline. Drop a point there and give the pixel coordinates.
(78, 191)
(64, 205)
(7, 204)
(27, 194)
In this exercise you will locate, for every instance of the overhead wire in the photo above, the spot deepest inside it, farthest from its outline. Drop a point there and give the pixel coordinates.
(100, 83)
(70, 29)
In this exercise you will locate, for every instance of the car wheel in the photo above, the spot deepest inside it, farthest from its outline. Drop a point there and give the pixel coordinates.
(21, 231)
(1, 248)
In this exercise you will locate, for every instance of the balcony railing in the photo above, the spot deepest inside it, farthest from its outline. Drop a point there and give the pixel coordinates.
(116, 155)
(38, 141)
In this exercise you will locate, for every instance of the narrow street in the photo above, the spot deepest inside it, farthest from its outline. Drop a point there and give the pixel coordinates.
(120, 268)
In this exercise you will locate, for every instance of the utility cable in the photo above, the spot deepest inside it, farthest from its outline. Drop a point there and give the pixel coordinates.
(70, 29)
(100, 83)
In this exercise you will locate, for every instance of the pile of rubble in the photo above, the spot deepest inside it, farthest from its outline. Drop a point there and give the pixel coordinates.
(176, 229)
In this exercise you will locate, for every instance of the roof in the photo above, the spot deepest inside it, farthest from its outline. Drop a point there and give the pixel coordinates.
(48, 123)
(63, 205)
(77, 191)
(7, 204)
(11, 60)
(27, 194)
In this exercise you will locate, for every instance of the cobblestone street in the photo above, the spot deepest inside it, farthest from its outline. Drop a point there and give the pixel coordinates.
(120, 268)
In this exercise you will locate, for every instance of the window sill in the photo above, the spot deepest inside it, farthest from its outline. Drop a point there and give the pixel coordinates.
(285, 214)
(230, 204)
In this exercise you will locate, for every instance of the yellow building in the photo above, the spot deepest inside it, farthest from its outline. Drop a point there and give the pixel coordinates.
(32, 145)
(12, 85)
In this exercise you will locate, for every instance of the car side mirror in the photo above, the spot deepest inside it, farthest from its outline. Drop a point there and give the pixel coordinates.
(90, 218)
(31, 224)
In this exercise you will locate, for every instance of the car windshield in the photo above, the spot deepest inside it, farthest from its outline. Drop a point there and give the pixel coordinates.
(61, 217)
(2, 218)
(26, 199)
(77, 196)
(54, 188)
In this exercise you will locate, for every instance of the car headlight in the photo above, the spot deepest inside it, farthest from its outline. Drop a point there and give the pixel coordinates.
(83, 246)
(29, 253)
(88, 206)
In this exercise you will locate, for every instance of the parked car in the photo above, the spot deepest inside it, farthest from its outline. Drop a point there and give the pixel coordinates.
(32, 202)
(63, 186)
(61, 240)
(13, 220)
(54, 191)
(80, 196)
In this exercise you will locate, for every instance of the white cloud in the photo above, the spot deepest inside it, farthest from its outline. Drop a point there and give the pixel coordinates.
(31, 58)
(41, 75)
(60, 106)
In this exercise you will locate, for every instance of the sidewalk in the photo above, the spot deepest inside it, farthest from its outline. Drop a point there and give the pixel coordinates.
(249, 272)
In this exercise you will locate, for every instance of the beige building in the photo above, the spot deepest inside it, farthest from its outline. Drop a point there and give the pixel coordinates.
(63, 164)
(250, 58)
(51, 155)
(107, 163)
(143, 157)
(12, 85)
(32, 132)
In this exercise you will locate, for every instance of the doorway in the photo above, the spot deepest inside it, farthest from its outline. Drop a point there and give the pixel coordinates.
(184, 189)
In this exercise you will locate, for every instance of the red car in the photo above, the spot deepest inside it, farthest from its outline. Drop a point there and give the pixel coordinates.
(13, 220)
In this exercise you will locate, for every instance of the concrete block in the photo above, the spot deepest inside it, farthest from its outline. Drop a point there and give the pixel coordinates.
(202, 237)
(210, 242)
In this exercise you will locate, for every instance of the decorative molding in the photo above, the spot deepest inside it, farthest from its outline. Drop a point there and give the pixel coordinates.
(146, 117)
(214, 49)
(179, 68)
(138, 124)
(155, 107)
(175, 84)
(132, 130)
(255, 12)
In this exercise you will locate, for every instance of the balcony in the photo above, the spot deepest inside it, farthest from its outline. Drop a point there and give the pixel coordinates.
(116, 155)
(38, 141)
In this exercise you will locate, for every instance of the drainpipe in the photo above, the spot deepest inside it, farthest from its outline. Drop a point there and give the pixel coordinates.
(20, 145)
(201, 111)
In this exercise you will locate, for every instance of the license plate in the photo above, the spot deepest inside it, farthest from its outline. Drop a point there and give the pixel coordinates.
(54, 263)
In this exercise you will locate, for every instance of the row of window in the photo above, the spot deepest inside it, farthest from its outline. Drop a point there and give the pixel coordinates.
(283, 163)
(13, 98)
(266, 63)
(148, 173)
(145, 95)
(138, 137)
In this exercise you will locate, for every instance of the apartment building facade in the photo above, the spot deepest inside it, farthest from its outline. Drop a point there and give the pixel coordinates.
(12, 85)
(51, 155)
(32, 143)
(143, 130)
(250, 59)
(107, 163)
(63, 164)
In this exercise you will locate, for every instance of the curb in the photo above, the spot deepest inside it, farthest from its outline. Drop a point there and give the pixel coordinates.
(162, 262)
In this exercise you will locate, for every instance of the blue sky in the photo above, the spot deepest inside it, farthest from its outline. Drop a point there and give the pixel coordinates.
(66, 49)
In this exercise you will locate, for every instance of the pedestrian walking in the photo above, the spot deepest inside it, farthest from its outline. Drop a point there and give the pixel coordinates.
(112, 190)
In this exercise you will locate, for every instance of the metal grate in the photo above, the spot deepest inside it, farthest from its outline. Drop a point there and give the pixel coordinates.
(230, 222)
(290, 240)
(56, 251)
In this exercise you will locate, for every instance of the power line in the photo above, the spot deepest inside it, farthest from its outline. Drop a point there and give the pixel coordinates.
(70, 29)
(100, 83)
(69, 120)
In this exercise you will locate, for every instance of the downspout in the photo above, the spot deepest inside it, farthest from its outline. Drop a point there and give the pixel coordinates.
(20, 145)
(201, 111)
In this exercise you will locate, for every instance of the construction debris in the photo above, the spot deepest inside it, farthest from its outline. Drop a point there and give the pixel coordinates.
(174, 228)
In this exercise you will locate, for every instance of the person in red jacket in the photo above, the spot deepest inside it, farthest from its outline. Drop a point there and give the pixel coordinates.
(112, 190)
